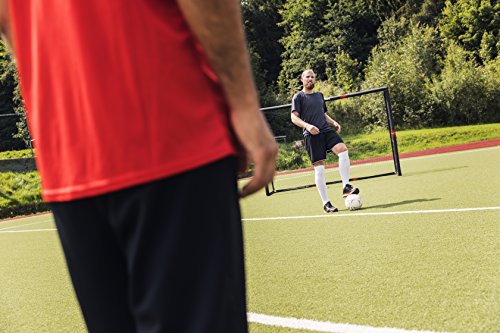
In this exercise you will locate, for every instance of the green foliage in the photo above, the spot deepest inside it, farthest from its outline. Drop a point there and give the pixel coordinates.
(20, 194)
(347, 75)
(7, 104)
(261, 18)
(404, 65)
(384, 8)
(491, 74)
(351, 26)
(474, 25)
(304, 24)
(282, 125)
(362, 146)
(24, 153)
(363, 44)
(317, 31)
(20, 191)
(464, 93)
(13, 130)
(290, 158)
(426, 12)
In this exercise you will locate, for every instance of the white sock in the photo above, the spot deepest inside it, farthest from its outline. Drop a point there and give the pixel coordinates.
(319, 178)
(344, 167)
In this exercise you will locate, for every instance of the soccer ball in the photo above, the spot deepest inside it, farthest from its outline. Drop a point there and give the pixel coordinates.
(353, 202)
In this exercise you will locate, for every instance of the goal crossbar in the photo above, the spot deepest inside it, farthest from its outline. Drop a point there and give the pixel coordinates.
(270, 188)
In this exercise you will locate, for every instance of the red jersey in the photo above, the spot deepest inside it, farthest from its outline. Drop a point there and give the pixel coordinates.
(118, 93)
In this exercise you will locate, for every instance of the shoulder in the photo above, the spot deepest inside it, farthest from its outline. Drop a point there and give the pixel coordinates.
(297, 98)
(299, 94)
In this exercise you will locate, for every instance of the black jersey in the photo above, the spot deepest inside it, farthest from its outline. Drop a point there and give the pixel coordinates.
(311, 109)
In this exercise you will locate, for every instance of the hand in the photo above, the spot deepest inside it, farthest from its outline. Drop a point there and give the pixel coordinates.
(218, 26)
(312, 129)
(337, 126)
(256, 142)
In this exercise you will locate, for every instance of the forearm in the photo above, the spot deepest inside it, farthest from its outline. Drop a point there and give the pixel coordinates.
(5, 32)
(297, 121)
(217, 25)
(332, 122)
(329, 120)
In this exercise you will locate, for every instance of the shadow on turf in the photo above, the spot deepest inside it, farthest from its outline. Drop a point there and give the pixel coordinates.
(409, 174)
(405, 202)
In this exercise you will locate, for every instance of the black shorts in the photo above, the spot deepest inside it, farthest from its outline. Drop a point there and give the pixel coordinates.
(318, 145)
(166, 256)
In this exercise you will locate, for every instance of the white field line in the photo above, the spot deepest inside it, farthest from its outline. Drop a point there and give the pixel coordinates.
(329, 170)
(322, 326)
(30, 230)
(455, 210)
(23, 225)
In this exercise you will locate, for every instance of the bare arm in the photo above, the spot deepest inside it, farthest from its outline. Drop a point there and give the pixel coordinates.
(217, 24)
(332, 122)
(302, 124)
(5, 32)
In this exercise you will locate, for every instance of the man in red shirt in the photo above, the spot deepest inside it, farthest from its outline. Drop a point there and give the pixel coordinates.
(139, 109)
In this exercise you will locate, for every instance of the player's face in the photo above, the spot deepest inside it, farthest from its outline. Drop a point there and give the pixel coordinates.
(308, 79)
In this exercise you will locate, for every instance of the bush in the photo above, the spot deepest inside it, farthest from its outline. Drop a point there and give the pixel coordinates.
(464, 93)
(20, 194)
(290, 158)
(405, 66)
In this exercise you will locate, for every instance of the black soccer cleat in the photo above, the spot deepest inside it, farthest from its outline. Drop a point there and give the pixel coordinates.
(349, 189)
(329, 208)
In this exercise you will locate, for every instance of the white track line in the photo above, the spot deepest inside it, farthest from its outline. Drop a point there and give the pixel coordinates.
(456, 210)
(22, 225)
(30, 230)
(322, 326)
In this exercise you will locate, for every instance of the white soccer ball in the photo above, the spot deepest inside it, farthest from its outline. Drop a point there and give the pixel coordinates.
(353, 202)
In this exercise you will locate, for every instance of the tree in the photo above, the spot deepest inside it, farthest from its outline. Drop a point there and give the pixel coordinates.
(13, 130)
(351, 28)
(261, 19)
(464, 93)
(318, 33)
(304, 25)
(474, 25)
(347, 74)
(405, 66)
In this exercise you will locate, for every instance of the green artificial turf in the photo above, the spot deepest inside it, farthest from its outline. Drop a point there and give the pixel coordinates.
(35, 290)
(421, 271)
(424, 271)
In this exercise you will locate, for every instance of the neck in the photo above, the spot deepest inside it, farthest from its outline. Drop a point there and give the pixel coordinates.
(308, 91)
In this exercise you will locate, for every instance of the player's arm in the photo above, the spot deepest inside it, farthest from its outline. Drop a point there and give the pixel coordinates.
(217, 24)
(5, 32)
(296, 120)
(333, 123)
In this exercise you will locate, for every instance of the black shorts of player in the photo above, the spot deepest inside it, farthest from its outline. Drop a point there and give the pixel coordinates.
(166, 256)
(318, 145)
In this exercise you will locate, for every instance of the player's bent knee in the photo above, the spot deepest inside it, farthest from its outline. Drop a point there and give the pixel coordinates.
(339, 148)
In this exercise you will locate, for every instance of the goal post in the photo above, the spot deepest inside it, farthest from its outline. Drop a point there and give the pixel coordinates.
(271, 189)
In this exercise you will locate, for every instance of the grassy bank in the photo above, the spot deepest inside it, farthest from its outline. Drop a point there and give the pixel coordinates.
(378, 144)
(20, 194)
(20, 191)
